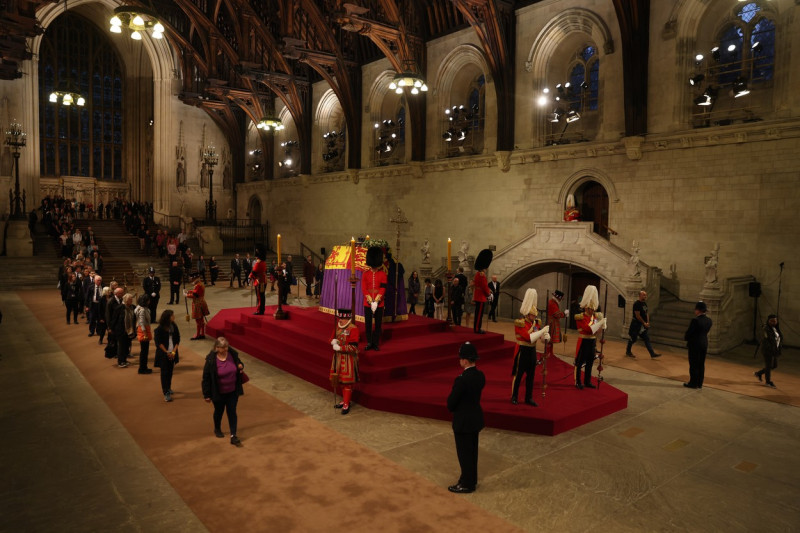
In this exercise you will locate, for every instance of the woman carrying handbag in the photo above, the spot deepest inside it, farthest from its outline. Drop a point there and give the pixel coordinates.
(168, 339)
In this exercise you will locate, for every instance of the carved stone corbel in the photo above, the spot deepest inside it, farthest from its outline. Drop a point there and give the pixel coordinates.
(633, 147)
(503, 160)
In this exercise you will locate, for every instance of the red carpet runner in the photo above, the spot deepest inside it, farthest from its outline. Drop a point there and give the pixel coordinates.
(415, 367)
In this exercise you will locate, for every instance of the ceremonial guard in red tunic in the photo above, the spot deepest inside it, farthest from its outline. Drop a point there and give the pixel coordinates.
(480, 288)
(571, 213)
(373, 287)
(554, 316)
(199, 306)
(344, 366)
(588, 323)
(528, 331)
(259, 277)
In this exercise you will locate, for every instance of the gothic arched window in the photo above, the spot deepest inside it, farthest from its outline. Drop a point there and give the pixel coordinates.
(87, 140)
(746, 47)
(584, 80)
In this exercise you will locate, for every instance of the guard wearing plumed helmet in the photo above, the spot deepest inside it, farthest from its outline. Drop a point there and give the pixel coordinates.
(528, 331)
(588, 323)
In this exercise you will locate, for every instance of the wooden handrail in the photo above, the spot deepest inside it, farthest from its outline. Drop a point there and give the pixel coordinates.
(317, 258)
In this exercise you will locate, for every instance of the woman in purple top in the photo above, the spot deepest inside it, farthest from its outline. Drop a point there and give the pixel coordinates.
(222, 385)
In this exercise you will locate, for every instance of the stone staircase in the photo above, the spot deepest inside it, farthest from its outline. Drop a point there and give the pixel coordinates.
(669, 321)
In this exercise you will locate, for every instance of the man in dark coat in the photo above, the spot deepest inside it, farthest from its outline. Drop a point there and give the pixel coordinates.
(152, 288)
(771, 349)
(236, 270)
(494, 286)
(696, 338)
(457, 300)
(114, 302)
(465, 404)
(175, 278)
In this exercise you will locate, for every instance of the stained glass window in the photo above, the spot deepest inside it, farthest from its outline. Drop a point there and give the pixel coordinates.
(88, 140)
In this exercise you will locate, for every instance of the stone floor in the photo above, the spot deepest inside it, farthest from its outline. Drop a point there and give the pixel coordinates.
(675, 460)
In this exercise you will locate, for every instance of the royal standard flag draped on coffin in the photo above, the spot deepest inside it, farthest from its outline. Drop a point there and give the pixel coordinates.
(336, 290)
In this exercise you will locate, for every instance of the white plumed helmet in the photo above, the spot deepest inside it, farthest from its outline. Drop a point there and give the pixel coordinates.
(529, 303)
(590, 298)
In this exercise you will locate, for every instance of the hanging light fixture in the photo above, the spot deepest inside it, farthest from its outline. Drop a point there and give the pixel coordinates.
(270, 123)
(271, 120)
(67, 94)
(408, 79)
(138, 20)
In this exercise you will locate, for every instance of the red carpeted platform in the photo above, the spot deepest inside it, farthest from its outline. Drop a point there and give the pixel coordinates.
(414, 370)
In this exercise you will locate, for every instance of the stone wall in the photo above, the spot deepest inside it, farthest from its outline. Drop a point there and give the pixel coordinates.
(678, 199)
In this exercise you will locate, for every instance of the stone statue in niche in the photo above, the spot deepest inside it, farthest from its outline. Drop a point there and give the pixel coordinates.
(180, 174)
(204, 176)
(226, 178)
(633, 262)
(426, 253)
(463, 255)
(711, 267)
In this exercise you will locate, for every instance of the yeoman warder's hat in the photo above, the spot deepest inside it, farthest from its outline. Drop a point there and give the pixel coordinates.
(344, 313)
(483, 260)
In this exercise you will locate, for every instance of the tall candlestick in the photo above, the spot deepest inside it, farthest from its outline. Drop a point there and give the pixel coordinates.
(449, 248)
(279, 249)
(352, 256)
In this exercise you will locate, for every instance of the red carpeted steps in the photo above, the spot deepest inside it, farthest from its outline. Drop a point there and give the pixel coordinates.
(414, 370)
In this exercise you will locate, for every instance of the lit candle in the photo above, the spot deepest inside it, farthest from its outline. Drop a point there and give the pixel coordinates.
(279, 249)
(366, 238)
(449, 245)
(353, 256)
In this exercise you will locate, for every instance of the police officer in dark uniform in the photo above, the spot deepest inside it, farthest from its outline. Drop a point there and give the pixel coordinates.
(465, 404)
(152, 288)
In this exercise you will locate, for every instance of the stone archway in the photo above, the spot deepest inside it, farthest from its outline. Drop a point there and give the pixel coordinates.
(254, 210)
(574, 247)
(591, 199)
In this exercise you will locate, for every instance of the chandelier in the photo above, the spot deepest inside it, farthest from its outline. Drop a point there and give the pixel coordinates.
(15, 137)
(210, 156)
(408, 79)
(67, 94)
(138, 20)
(271, 123)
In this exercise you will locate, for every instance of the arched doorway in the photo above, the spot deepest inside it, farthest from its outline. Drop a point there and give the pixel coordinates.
(254, 210)
(591, 199)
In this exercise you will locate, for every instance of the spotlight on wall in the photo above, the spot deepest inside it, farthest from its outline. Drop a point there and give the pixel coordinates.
(707, 98)
(695, 80)
(572, 116)
(740, 87)
(715, 53)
